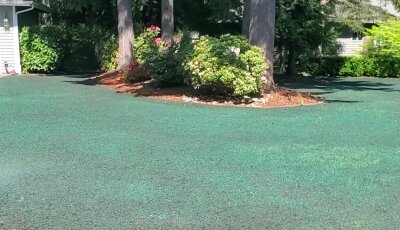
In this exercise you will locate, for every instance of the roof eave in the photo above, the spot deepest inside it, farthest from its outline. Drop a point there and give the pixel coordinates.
(33, 4)
(41, 7)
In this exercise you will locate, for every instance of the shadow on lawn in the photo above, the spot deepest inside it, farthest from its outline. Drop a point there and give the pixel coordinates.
(329, 85)
(324, 86)
(88, 80)
(144, 89)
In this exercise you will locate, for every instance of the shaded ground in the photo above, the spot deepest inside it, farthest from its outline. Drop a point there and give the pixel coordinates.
(82, 157)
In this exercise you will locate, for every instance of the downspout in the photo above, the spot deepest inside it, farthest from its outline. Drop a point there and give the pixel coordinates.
(18, 58)
(26, 10)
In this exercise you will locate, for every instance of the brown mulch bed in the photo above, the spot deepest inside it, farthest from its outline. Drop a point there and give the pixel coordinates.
(283, 97)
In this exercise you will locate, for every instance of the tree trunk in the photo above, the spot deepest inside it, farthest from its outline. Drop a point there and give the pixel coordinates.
(262, 34)
(292, 62)
(125, 33)
(167, 21)
(246, 18)
(283, 54)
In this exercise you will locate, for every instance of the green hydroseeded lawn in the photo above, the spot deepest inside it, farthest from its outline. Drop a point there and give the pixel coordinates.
(76, 156)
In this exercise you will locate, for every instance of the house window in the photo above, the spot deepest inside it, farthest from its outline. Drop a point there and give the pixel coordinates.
(357, 36)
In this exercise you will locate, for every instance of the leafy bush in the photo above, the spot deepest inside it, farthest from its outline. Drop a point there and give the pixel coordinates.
(45, 49)
(107, 52)
(374, 66)
(169, 70)
(323, 66)
(147, 46)
(227, 66)
(387, 67)
(384, 37)
(42, 48)
(164, 61)
(357, 67)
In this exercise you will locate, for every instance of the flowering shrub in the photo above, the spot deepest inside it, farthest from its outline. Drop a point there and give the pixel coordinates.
(162, 60)
(146, 46)
(226, 66)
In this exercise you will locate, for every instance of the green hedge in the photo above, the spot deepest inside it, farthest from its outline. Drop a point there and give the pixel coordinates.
(378, 66)
(46, 49)
(42, 48)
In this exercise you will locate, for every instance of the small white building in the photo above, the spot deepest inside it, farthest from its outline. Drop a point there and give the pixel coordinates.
(14, 14)
(352, 43)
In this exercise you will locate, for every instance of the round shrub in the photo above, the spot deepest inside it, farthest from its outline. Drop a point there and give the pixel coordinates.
(227, 66)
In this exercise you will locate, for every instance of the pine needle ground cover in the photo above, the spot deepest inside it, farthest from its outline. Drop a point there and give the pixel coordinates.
(76, 156)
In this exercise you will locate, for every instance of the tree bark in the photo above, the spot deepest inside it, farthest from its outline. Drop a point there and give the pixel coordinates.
(167, 21)
(283, 54)
(262, 34)
(246, 18)
(125, 33)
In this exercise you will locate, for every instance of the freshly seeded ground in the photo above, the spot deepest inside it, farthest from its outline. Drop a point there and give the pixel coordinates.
(74, 156)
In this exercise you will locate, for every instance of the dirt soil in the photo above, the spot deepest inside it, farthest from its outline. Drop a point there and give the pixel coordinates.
(283, 97)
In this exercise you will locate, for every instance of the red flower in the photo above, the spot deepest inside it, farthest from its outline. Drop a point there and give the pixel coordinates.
(133, 65)
(158, 41)
(154, 28)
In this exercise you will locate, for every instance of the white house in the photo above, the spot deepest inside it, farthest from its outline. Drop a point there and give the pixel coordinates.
(352, 42)
(13, 15)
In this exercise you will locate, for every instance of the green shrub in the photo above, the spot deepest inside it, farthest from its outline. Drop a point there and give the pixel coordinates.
(227, 66)
(352, 67)
(42, 48)
(107, 52)
(168, 68)
(323, 66)
(164, 62)
(374, 66)
(384, 37)
(45, 49)
(147, 46)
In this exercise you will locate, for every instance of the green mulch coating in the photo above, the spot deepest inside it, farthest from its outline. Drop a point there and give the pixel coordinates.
(75, 156)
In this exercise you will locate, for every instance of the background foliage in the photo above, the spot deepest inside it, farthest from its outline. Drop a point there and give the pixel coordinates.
(305, 30)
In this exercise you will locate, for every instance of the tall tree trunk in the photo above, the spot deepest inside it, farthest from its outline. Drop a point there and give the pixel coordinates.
(167, 21)
(283, 54)
(125, 33)
(292, 62)
(262, 34)
(246, 18)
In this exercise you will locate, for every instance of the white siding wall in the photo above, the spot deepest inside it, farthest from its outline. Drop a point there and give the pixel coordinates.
(350, 47)
(8, 41)
(387, 6)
